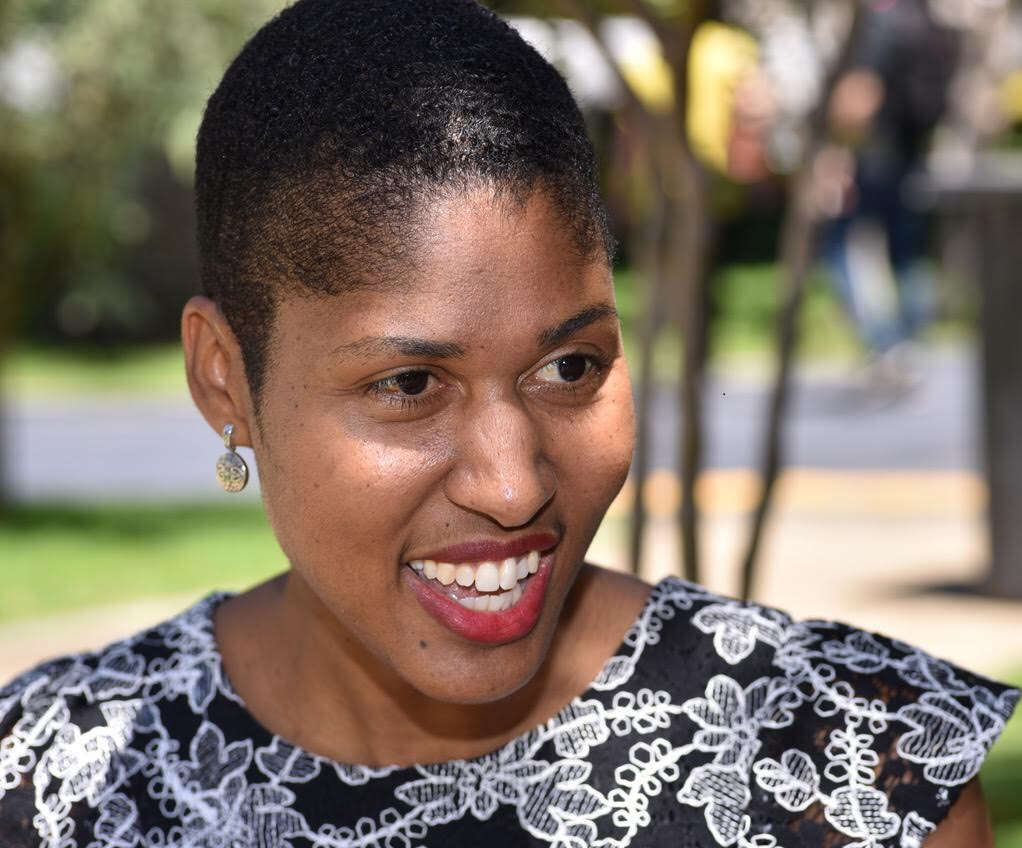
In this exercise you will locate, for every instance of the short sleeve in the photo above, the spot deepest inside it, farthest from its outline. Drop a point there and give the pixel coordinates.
(869, 741)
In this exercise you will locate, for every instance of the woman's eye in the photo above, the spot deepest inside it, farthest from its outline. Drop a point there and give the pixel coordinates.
(567, 369)
(406, 384)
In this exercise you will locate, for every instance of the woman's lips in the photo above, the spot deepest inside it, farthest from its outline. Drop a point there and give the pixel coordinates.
(492, 627)
(480, 550)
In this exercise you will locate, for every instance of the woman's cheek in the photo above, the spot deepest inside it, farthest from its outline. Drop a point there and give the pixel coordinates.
(611, 432)
(593, 456)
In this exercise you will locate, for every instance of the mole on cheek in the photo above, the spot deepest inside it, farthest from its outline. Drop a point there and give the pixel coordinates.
(422, 644)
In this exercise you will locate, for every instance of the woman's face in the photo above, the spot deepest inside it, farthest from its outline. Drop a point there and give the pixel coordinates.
(418, 441)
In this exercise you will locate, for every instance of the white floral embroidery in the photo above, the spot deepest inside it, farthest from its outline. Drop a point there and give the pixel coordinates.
(736, 629)
(117, 826)
(724, 791)
(861, 812)
(449, 790)
(950, 739)
(579, 726)
(650, 766)
(914, 829)
(728, 724)
(560, 807)
(859, 651)
(793, 779)
(124, 749)
(644, 711)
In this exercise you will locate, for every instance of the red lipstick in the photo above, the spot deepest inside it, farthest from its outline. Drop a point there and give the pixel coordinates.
(490, 628)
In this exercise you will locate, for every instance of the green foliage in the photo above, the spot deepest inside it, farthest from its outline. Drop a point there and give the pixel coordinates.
(1002, 780)
(99, 102)
(747, 300)
(67, 557)
(151, 370)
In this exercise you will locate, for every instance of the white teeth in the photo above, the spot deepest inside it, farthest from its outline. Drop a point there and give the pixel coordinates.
(522, 568)
(500, 581)
(487, 577)
(492, 603)
(508, 573)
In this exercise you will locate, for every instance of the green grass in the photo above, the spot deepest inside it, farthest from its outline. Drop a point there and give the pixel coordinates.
(150, 370)
(60, 558)
(1002, 779)
(746, 301)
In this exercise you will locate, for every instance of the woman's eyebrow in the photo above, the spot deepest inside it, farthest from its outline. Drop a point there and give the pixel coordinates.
(567, 328)
(401, 345)
(426, 349)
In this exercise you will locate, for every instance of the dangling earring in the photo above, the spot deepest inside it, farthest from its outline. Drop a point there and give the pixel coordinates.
(231, 471)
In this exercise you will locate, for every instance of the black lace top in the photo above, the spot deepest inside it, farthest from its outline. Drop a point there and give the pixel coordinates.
(717, 723)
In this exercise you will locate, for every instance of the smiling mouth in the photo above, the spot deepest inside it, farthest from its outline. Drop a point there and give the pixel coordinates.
(489, 586)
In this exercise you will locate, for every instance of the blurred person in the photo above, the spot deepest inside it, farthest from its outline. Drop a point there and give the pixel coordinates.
(409, 317)
(730, 104)
(882, 113)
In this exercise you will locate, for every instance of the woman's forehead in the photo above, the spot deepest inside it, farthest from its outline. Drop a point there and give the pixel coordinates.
(451, 317)
(478, 261)
(481, 230)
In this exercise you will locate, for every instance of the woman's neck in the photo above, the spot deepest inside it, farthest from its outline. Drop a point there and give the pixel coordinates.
(307, 679)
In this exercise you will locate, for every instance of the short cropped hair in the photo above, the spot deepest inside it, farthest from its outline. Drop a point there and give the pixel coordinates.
(339, 122)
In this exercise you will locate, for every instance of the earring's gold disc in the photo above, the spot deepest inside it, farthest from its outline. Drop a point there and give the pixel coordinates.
(231, 472)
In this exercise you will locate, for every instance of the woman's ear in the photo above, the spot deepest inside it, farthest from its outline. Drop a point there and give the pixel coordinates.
(215, 370)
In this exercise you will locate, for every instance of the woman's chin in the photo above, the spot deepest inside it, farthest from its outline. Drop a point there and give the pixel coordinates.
(476, 679)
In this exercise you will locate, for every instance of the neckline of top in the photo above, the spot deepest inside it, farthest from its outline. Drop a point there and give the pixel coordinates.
(364, 772)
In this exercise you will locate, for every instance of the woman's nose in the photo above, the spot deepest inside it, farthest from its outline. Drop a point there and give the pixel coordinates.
(500, 470)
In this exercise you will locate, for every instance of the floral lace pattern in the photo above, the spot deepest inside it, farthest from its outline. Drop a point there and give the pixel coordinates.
(717, 722)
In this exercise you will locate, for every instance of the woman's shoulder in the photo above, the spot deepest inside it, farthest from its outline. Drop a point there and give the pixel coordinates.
(747, 638)
(81, 707)
(815, 725)
(122, 668)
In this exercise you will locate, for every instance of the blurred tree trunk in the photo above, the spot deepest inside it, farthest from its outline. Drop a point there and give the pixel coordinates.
(998, 215)
(652, 238)
(690, 264)
(987, 209)
(797, 249)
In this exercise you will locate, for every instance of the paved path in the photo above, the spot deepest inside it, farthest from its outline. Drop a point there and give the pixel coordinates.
(108, 448)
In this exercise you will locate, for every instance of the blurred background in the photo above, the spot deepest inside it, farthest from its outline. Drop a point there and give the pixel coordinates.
(819, 210)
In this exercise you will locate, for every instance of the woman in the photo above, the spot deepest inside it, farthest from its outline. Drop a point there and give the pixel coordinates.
(409, 317)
